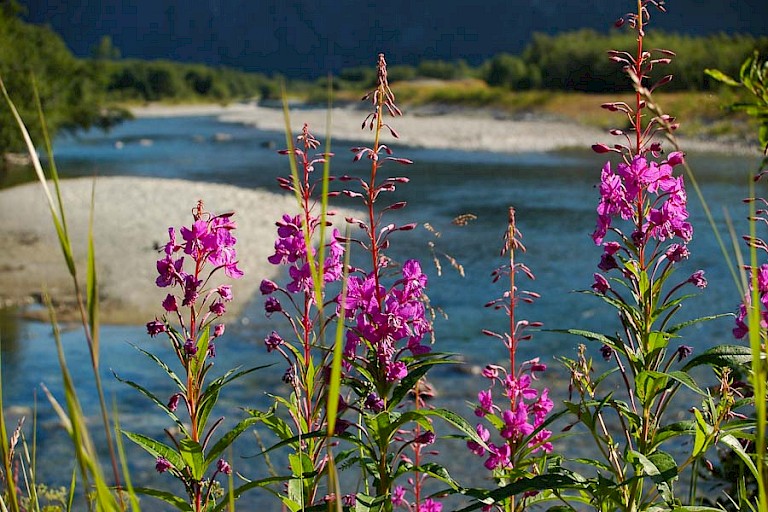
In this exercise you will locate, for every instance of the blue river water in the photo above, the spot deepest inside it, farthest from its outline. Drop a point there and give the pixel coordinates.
(554, 195)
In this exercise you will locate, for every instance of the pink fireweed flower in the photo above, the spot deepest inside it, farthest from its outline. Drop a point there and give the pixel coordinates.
(399, 318)
(430, 505)
(698, 279)
(398, 496)
(601, 284)
(665, 218)
(499, 456)
(223, 467)
(486, 403)
(516, 424)
(273, 341)
(741, 328)
(485, 435)
(272, 305)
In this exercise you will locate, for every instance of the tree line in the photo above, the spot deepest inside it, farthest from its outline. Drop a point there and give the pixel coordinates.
(80, 93)
(578, 61)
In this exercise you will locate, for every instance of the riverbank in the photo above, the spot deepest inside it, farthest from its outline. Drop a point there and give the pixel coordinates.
(435, 127)
(131, 220)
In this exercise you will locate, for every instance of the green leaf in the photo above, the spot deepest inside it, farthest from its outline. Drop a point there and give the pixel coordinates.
(92, 286)
(165, 368)
(696, 508)
(590, 336)
(733, 443)
(192, 453)
(703, 430)
(722, 356)
(228, 438)
(660, 466)
(154, 399)
(675, 328)
(680, 428)
(278, 426)
(237, 492)
(721, 77)
(648, 384)
(165, 496)
(657, 340)
(157, 449)
(204, 411)
(458, 422)
(197, 361)
(439, 472)
(687, 381)
(536, 483)
(415, 372)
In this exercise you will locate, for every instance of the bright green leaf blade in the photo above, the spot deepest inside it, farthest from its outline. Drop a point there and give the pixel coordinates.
(165, 496)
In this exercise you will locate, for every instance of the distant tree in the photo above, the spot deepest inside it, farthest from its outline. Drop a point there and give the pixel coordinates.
(401, 73)
(105, 50)
(69, 89)
(443, 70)
(509, 71)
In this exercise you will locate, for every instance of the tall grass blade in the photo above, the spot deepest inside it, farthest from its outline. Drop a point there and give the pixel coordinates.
(85, 453)
(6, 452)
(757, 336)
(132, 499)
(89, 320)
(61, 232)
(92, 288)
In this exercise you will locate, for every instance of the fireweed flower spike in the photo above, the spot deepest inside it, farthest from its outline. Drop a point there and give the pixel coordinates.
(511, 405)
(302, 344)
(191, 261)
(643, 229)
(387, 349)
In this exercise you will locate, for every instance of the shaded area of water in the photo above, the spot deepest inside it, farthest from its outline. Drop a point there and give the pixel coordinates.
(554, 196)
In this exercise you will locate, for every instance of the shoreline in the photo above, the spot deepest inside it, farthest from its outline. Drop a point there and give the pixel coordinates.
(433, 127)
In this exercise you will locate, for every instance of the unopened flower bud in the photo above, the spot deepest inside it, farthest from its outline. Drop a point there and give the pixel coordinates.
(155, 327)
(267, 287)
(683, 351)
(162, 465)
(173, 402)
(290, 375)
(169, 304)
(224, 467)
(272, 305)
(427, 437)
(374, 403)
(190, 348)
(218, 308)
(273, 341)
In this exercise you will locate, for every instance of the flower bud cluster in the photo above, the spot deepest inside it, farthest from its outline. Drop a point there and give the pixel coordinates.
(208, 242)
(527, 411)
(291, 250)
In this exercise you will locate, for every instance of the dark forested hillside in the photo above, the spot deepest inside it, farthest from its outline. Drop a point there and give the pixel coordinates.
(307, 39)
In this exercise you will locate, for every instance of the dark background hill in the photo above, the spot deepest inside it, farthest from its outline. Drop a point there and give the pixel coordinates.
(307, 39)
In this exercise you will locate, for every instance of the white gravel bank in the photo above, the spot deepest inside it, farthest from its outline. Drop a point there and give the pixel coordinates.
(132, 220)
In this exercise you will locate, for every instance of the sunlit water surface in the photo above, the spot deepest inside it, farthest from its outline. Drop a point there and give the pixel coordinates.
(554, 195)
